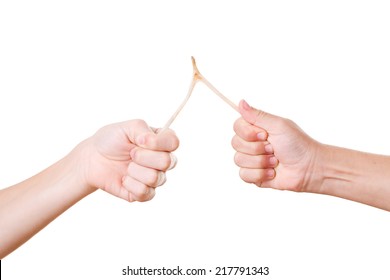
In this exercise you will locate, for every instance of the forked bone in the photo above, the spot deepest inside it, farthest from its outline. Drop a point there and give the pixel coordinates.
(197, 76)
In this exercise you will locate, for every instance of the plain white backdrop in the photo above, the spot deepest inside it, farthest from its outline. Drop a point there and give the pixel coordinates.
(69, 67)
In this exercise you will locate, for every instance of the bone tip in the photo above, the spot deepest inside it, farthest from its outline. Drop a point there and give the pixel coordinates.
(196, 71)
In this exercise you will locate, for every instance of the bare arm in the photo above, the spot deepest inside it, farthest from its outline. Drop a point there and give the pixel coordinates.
(274, 152)
(128, 160)
(353, 175)
(29, 206)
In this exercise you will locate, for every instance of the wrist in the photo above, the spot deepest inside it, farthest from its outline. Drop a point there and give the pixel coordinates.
(334, 171)
(320, 170)
(76, 161)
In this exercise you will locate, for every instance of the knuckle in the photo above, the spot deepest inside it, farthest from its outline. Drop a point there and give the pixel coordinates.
(146, 195)
(150, 140)
(143, 193)
(237, 125)
(236, 143)
(130, 168)
(175, 143)
(289, 122)
(130, 197)
(256, 179)
(172, 143)
(251, 175)
(136, 123)
(169, 139)
(245, 176)
(238, 159)
(260, 115)
(125, 181)
(242, 128)
(233, 142)
(284, 122)
(135, 155)
(246, 133)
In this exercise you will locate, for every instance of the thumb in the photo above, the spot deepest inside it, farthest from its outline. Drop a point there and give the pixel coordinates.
(256, 117)
(137, 131)
(142, 135)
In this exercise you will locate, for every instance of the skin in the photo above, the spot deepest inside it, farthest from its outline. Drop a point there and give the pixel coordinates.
(273, 152)
(127, 159)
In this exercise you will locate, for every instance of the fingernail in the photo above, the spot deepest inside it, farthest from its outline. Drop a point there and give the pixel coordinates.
(245, 105)
(161, 179)
(173, 161)
(261, 136)
(271, 173)
(268, 148)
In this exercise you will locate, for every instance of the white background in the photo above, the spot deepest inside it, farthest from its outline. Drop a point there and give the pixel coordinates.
(70, 67)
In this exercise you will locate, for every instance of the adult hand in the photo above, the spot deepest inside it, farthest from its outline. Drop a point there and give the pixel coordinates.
(273, 152)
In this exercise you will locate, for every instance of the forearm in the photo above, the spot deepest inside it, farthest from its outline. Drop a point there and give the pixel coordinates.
(353, 175)
(29, 206)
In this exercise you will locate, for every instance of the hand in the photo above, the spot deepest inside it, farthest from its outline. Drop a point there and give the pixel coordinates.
(273, 152)
(127, 159)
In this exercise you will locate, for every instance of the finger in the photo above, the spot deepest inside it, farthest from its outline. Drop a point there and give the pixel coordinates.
(137, 190)
(256, 176)
(259, 161)
(142, 135)
(157, 160)
(148, 176)
(257, 117)
(248, 131)
(173, 161)
(124, 194)
(134, 128)
(164, 141)
(251, 148)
